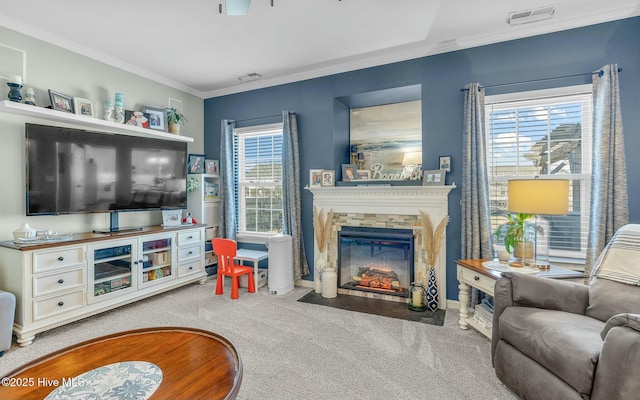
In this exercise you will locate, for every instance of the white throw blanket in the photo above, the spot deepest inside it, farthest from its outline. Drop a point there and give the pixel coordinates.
(620, 259)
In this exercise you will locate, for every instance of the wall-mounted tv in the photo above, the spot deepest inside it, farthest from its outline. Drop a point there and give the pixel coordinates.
(78, 171)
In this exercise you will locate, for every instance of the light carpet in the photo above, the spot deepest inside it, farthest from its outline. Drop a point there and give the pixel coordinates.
(297, 351)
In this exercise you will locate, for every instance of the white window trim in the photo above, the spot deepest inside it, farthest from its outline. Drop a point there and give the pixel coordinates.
(565, 257)
(265, 129)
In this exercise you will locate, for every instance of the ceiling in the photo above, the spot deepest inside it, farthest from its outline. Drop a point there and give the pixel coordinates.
(189, 45)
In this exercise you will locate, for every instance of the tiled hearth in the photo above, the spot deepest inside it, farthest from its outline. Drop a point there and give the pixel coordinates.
(386, 207)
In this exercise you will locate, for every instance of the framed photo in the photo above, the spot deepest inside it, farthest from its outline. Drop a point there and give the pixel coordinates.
(136, 118)
(315, 177)
(195, 164)
(349, 172)
(212, 167)
(364, 174)
(61, 102)
(328, 177)
(83, 107)
(157, 118)
(171, 217)
(445, 163)
(433, 177)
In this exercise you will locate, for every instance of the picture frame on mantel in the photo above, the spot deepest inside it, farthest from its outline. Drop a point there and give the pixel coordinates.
(445, 163)
(433, 177)
(328, 177)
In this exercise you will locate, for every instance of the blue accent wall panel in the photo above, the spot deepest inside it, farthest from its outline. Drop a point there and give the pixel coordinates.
(323, 120)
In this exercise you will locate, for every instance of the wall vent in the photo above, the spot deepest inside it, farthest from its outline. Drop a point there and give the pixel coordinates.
(528, 16)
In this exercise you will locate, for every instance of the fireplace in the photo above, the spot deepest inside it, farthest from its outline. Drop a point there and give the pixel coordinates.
(387, 207)
(376, 260)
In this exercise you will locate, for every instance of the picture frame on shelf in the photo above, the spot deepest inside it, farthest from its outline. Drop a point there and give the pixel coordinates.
(196, 164)
(61, 102)
(171, 217)
(211, 191)
(157, 118)
(364, 174)
(434, 177)
(84, 107)
(445, 163)
(136, 118)
(212, 167)
(328, 177)
(349, 172)
(315, 177)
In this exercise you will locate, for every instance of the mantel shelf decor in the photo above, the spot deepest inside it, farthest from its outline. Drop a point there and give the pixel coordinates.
(84, 121)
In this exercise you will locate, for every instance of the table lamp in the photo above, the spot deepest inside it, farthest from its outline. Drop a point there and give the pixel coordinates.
(538, 196)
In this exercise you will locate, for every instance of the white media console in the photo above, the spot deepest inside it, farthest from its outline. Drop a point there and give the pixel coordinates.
(56, 283)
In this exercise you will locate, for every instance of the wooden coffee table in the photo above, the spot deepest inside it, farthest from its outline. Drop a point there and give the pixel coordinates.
(158, 363)
(471, 273)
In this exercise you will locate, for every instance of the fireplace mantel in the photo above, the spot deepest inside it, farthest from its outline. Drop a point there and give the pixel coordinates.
(387, 206)
(403, 200)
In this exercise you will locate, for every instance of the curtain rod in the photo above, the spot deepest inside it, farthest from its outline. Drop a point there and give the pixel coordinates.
(541, 80)
(256, 118)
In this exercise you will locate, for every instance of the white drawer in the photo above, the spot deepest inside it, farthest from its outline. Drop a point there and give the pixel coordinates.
(57, 305)
(45, 261)
(189, 269)
(68, 279)
(190, 236)
(186, 253)
(477, 280)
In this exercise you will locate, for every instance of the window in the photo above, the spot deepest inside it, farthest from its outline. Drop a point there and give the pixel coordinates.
(258, 177)
(543, 133)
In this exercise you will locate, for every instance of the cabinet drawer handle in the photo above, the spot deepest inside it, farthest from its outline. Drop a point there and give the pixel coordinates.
(60, 258)
(190, 253)
(190, 267)
(190, 237)
(477, 278)
(60, 281)
(61, 303)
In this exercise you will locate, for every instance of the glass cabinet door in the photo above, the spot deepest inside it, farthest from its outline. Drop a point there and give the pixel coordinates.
(157, 260)
(110, 270)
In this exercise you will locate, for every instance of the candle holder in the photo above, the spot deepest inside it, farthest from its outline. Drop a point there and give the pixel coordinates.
(417, 297)
(14, 92)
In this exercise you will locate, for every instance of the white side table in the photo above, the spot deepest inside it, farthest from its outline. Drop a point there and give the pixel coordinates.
(254, 256)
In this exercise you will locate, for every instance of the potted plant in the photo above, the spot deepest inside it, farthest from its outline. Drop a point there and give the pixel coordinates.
(175, 119)
(514, 234)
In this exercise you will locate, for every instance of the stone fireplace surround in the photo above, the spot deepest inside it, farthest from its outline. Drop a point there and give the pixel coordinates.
(387, 207)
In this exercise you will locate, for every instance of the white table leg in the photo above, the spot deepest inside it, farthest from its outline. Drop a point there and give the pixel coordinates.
(463, 297)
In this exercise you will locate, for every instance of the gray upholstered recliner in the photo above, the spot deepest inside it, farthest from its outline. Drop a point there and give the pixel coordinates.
(554, 339)
(7, 312)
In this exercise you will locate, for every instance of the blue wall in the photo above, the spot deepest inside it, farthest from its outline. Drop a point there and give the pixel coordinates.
(324, 143)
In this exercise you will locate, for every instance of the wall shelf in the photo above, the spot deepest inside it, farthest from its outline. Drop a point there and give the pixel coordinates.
(86, 122)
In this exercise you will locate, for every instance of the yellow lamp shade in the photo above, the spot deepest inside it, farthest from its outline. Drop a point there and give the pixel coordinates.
(538, 196)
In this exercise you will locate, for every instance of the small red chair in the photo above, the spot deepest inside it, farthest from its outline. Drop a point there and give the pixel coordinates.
(226, 249)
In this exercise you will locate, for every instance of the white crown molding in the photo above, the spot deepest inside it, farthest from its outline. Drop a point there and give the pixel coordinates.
(423, 49)
(372, 59)
(48, 37)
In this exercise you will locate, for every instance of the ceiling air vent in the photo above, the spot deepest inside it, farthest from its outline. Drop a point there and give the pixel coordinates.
(253, 76)
(528, 16)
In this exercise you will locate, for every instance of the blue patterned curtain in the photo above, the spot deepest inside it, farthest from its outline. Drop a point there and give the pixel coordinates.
(476, 222)
(227, 228)
(609, 201)
(291, 192)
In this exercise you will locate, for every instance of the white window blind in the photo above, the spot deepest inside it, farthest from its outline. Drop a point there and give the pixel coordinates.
(258, 177)
(543, 133)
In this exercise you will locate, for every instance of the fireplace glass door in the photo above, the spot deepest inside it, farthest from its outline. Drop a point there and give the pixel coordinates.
(378, 260)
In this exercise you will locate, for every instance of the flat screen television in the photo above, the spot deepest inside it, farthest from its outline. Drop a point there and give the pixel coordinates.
(78, 171)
